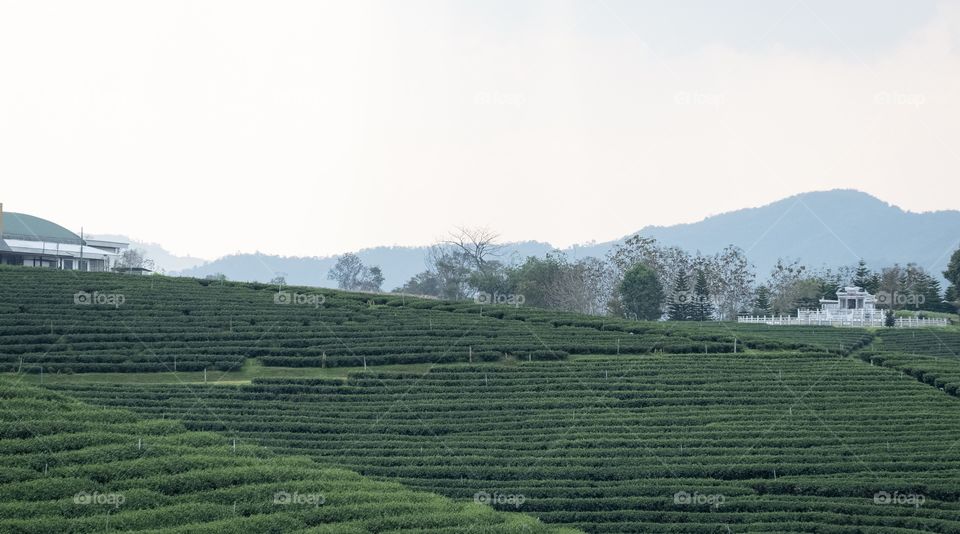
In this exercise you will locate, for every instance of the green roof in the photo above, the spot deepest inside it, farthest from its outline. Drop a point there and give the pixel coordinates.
(30, 228)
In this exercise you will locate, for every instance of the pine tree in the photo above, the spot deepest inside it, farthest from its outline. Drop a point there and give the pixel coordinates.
(865, 278)
(952, 298)
(890, 320)
(702, 308)
(899, 301)
(927, 289)
(679, 308)
(761, 305)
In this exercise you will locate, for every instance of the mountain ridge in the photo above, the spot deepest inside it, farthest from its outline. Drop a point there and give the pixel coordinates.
(820, 228)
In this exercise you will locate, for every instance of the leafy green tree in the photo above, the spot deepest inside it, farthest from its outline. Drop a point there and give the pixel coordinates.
(424, 283)
(952, 274)
(371, 279)
(792, 286)
(807, 293)
(352, 275)
(641, 294)
(347, 272)
(702, 307)
(952, 298)
(452, 267)
(830, 283)
(536, 279)
(491, 278)
(679, 307)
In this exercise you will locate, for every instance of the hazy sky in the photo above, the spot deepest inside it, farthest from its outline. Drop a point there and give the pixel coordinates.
(316, 128)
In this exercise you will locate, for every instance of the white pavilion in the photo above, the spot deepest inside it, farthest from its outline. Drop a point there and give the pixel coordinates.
(853, 306)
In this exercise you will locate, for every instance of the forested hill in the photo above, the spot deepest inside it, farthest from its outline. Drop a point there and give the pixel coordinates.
(826, 228)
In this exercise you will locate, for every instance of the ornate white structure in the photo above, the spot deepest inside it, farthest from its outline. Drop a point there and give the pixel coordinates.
(853, 307)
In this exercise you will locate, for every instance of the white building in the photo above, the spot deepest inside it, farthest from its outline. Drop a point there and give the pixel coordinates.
(853, 307)
(35, 242)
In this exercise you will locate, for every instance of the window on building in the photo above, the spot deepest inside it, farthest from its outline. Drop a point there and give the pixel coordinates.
(68, 265)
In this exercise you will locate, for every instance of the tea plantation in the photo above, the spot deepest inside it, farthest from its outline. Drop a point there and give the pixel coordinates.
(71, 467)
(422, 415)
(789, 442)
(932, 356)
(61, 321)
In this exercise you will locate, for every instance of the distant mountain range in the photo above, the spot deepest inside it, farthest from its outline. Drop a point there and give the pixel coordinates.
(824, 228)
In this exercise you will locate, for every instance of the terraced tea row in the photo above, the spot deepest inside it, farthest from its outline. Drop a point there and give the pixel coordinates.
(932, 356)
(71, 467)
(774, 442)
(61, 321)
(939, 342)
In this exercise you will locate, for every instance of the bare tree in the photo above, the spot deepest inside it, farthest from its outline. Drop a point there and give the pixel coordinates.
(731, 278)
(479, 244)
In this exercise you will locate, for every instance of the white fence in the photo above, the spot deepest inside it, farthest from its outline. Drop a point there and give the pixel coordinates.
(913, 322)
(816, 319)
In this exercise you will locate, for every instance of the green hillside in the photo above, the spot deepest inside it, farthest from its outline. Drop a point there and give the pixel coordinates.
(69, 322)
(792, 442)
(424, 407)
(71, 467)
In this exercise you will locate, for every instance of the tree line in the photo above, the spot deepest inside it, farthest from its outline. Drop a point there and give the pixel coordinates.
(643, 279)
